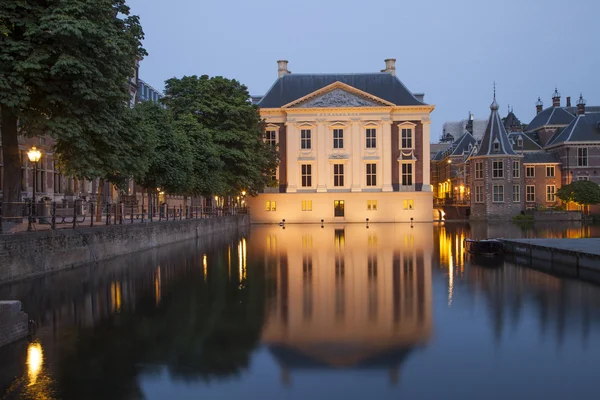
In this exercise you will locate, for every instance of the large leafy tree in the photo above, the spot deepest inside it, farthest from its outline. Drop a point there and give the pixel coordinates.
(584, 193)
(64, 68)
(171, 158)
(225, 123)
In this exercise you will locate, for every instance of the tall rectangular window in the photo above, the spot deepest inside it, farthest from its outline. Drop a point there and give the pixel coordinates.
(498, 193)
(305, 139)
(371, 174)
(338, 174)
(516, 169)
(270, 206)
(338, 138)
(530, 194)
(516, 193)
(497, 169)
(271, 138)
(407, 138)
(530, 172)
(582, 157)
(550, 171)
(306, 175)
(338, 211)
(550, 193)
(479, 194)
(479, 170)
(371, 136)
(306, 205)
(407, 174)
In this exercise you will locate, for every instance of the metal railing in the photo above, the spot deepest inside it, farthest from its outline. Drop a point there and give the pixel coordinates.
(80, 213)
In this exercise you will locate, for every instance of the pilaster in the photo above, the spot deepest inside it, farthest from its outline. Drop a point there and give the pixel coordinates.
(355, 141)
(426, 121)
(322, 156)
(293, 147)
(386, 156)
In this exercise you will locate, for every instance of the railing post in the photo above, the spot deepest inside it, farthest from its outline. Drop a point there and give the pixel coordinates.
(53, 214)
(92, 213)
(30, 219)
(75, 214)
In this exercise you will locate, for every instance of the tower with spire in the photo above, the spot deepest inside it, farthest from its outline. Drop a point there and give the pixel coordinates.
(496, 173)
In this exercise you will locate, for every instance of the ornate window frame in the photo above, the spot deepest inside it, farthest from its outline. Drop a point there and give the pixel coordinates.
(344, 126)
(413, 128)
(306, 126)
(371, 125)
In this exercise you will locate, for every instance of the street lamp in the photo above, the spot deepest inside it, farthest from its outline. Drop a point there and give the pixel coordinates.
(34, 156)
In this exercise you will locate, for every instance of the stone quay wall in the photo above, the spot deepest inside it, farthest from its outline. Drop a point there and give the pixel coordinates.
(14, 323)
(33, 254)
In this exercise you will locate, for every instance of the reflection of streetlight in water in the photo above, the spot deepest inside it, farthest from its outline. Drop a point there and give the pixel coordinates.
(35, 359)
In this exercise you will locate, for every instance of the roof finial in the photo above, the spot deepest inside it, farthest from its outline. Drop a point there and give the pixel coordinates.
(494, 105)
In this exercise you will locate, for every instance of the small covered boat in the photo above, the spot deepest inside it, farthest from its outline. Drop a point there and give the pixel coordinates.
(486, 247)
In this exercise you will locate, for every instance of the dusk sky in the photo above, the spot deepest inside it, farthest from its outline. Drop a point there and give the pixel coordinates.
(452, 51)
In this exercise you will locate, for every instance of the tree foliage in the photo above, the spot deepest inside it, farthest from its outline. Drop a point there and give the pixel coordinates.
(580, 192)
(223, 125)
(64, 68)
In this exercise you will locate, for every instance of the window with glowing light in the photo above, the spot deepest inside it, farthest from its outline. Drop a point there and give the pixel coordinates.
(408, 204)
(306, 205)
(338, 208)
(270, 206)
(371, 205)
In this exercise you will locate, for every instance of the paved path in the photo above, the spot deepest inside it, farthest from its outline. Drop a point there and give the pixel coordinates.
(586, 246)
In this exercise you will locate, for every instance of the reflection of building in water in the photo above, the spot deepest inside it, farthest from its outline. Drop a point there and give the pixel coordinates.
(347, 296)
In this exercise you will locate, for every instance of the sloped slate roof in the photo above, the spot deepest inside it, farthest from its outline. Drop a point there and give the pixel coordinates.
(291, 87)
(438, 156)
(528, 143)
(588, 109)
(540, 157)
(462, 144)
(550, 116)
(495, 132)
(511, 120)
(584, 128)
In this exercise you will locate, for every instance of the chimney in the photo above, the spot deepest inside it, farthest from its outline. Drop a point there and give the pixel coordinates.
(282, 68)
(539, 105)
(581, 105)
(556, 98)
(390, 66)
(568, 101)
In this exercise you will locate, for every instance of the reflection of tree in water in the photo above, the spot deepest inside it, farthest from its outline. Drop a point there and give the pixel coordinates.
(201, 329)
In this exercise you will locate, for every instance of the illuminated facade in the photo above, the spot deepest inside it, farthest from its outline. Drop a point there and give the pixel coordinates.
(347, 296)
(352, 147)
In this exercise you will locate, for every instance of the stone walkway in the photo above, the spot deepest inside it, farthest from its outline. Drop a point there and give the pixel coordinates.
(585, 246)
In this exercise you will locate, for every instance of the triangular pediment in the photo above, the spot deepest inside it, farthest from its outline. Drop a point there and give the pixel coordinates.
(338, 95)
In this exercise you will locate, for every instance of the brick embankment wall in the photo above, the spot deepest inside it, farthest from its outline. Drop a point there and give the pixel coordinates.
(14, 323)
(33, 254)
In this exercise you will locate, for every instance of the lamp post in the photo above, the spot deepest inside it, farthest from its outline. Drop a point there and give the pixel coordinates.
(34, 156)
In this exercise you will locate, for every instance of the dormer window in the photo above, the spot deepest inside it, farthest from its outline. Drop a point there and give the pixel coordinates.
(520, 141)
(496, 146)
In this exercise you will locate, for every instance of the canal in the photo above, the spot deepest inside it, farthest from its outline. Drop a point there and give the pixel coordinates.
(385, 311)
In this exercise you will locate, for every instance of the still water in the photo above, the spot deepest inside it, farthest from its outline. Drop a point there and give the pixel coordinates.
(386, 312)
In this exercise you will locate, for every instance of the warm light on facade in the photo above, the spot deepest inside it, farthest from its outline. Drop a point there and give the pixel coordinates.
(205, 266)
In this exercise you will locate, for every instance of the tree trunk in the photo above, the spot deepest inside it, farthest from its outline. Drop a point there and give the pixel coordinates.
(99, 200)
(12, 164)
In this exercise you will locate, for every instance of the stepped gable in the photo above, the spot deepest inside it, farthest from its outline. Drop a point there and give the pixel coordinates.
(495, 140)
(291, 87)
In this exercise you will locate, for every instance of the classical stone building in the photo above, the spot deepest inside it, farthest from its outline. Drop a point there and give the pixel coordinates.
(352, 146)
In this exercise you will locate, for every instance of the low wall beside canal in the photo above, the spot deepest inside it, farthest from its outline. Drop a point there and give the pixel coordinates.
(32, 254)
(14, 323)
